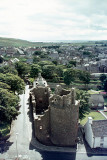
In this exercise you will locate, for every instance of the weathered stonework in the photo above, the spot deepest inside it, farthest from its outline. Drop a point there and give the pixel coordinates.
(55, 115)
(41, 95)
(64, 112)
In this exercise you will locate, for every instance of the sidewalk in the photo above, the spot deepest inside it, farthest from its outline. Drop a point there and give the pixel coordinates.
(43, 147)
(81, 148)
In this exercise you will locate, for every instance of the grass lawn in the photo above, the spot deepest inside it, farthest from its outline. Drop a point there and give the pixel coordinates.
(93, 92)
(95, 115)
(4, 129)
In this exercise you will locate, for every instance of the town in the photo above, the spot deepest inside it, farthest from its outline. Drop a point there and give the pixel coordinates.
(53, 97)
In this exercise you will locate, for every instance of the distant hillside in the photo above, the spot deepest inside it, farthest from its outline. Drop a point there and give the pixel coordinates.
(7, 42)
(18, 42)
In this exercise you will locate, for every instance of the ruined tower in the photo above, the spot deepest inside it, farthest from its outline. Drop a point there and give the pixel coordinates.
(64, 111)
(55, 115)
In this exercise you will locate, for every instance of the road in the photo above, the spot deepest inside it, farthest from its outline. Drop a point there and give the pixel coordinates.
(23, 127)
(19, 142)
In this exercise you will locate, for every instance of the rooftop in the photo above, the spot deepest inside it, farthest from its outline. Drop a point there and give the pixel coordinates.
(99, 128)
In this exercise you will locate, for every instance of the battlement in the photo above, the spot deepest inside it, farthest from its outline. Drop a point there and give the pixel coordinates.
(63, 98)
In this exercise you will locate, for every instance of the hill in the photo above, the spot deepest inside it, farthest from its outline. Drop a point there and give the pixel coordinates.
(18, 43)
(7, 42)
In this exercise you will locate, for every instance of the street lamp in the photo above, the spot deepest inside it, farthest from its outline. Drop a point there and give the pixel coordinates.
(16, 145)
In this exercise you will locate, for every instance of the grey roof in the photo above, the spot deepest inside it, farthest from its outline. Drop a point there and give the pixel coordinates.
(99, 128)
(96, 99)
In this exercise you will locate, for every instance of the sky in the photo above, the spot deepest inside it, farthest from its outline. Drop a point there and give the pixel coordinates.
(52, 20)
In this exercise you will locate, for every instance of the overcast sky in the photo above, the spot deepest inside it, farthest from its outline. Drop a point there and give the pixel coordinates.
(47, 20)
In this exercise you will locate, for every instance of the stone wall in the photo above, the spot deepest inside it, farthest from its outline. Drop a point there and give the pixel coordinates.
(64, 113)
(42, 128)
(41, 95)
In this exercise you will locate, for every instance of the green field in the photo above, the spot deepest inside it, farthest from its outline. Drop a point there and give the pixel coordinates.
(95, 115)
(11, 42)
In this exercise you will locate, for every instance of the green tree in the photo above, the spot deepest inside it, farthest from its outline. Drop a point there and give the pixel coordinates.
(48, 71)
(4, 85)
(84, 108)
(55, 62)
(8, 69)
(38, 52)
(69, 76)
(36, 59)
(105, 84)
(22, 69)
(72, 62)
(43, 63)
(2, 77)
(85, 77)
(1, 59)
(102, 78)
(8, 104)
(87, 53)
(35, 69)
(15, 82)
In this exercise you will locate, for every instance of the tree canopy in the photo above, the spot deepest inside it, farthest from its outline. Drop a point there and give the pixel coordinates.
(72, 62)
(105, 85)
(8, 69)
(35, 69)
(1, 59)
(102, 78)
(4, 85)
(43, 63)
(38, 52)
(84, 76)
(22, 68)
(48, 71)
(69, 76)
(36, 59)
(14, 81)
(8, 104)
(84, 108)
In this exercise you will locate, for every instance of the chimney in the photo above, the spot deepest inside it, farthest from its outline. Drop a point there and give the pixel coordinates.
(90, 120)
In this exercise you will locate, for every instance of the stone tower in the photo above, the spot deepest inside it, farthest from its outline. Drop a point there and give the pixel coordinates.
(64, 111)
(55, 115)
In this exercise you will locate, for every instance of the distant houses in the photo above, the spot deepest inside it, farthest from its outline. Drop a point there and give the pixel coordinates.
(96, 101)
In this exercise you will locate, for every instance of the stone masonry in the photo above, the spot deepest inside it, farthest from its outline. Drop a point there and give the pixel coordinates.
(55, 115)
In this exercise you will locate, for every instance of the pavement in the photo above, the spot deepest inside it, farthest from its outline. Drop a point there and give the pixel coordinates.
(82, 147)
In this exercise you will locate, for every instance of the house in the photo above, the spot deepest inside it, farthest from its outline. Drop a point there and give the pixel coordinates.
(54, 55)
(96, 101)
(29, 60)
(10, 51)
(2, 51)
(103, 65)
(96, 133)
(14, 60)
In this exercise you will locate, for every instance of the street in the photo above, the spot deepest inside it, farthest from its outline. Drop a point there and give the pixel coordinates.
(22, 132)
(19, 143)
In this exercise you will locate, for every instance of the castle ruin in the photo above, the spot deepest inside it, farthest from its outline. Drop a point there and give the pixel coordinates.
(55, 115)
